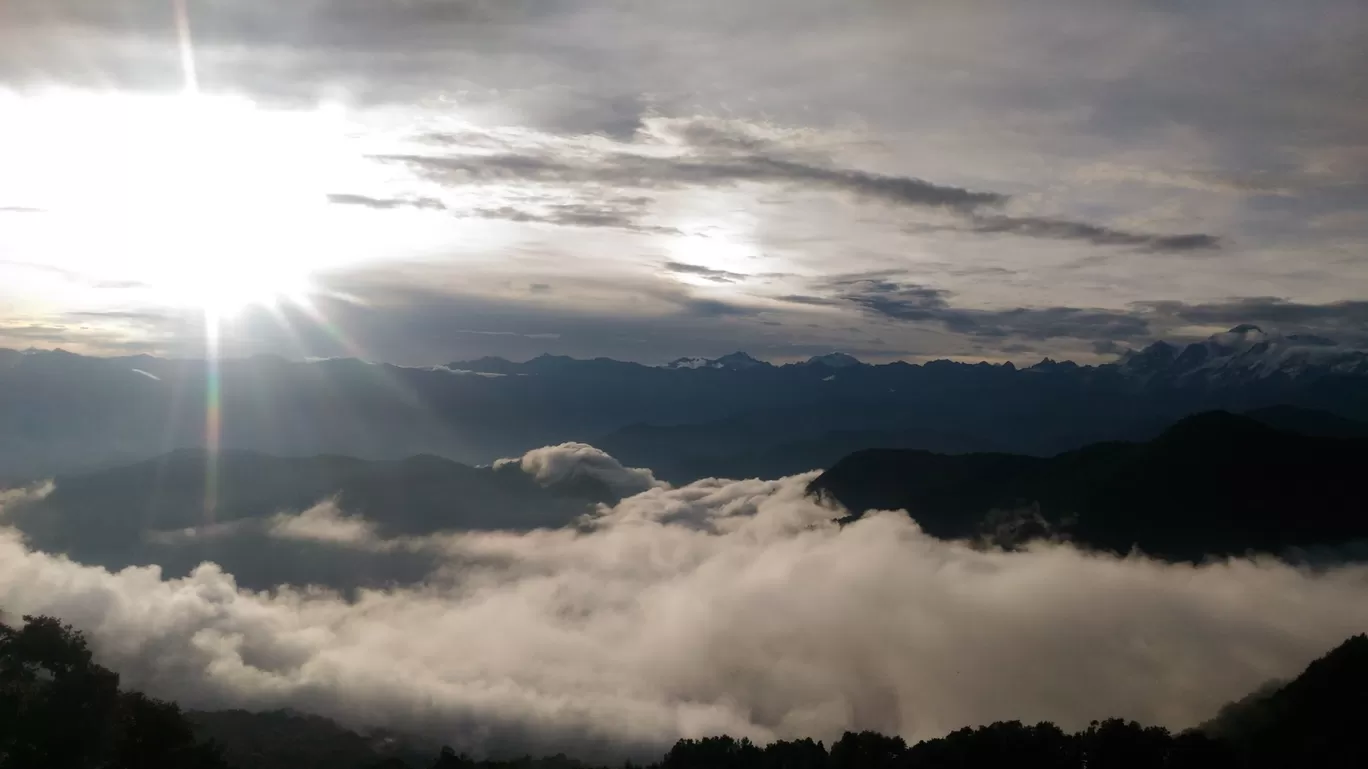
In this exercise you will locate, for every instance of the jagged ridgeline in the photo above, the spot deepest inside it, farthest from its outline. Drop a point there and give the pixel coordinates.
(733, 416)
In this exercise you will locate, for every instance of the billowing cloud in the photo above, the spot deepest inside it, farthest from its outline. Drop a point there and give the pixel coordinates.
(734, 607)
(11, 498)
(324, 522)
(569, 461)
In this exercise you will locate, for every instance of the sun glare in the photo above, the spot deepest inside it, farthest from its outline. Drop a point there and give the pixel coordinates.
(204, 201)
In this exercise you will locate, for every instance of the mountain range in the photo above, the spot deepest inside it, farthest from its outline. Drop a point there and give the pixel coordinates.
(733, 415)
(1279, 480)
(1212, 484)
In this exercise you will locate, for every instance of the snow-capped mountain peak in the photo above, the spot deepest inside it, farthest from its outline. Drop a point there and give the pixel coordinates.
(737, 361)
(1244, 353)
(681, 363)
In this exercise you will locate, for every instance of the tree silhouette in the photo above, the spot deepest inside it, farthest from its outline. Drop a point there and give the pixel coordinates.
(1043, 746)
(867, 750)
(57, 703)
(448, 759)
(60, 710)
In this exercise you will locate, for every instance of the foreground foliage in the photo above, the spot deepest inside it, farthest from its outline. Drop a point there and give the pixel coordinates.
(61, 710)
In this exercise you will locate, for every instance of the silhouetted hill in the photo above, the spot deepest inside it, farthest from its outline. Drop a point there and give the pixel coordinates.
(767, 444)
(284, 739)
(185, 508)
(1211, 484)
(417, 495)
(1316, 720)
(1309, 422)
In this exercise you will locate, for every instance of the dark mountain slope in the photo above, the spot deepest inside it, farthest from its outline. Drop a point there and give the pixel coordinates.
(1320, 719)
(287, 740)
(1309, 422)
(1211, 484)
(418, 495)
(769, 444)
(176, 513)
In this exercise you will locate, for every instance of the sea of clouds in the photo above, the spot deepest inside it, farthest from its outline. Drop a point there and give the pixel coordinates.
(724, 606)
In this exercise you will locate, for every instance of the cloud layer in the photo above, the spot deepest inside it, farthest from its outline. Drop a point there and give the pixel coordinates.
(1056, 167)
(723, 606)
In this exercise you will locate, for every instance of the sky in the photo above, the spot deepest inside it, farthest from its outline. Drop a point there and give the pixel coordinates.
(434, 180)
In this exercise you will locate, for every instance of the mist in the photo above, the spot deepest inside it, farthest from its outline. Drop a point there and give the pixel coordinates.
(734, 607)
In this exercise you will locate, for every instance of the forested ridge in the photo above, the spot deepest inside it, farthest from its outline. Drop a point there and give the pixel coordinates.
(60, 709)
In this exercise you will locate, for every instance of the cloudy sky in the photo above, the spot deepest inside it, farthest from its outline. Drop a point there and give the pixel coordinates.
(426, 180)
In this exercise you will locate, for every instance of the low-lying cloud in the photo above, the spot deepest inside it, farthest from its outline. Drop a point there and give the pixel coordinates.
(569, 461)
(733, 607)
(324, 522)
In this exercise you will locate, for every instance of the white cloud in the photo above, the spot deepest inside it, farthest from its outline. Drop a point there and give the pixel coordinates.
(11, 498)
(557, 464)
(324, 522)
(734, 607)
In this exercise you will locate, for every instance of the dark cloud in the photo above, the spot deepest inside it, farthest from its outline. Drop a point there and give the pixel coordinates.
(620, 213)
(1063, 229)
(715, 308)
(1108, 347)
(1345, 320)
(644, 171)
(719, 135)
(576, 215)
(717, 276)
(720, 169)
(894, 300)
(345, 199)
(813, 301)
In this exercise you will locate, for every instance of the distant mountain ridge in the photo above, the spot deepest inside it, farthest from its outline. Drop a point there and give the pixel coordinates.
(1244, 352)
(61, 412)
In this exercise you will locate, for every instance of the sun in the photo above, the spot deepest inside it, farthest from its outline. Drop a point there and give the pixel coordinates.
(203, 201)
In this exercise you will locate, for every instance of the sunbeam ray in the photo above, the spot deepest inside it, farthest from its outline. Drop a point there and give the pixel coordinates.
(187, 46)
